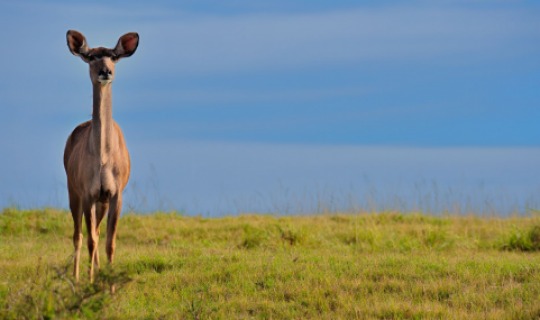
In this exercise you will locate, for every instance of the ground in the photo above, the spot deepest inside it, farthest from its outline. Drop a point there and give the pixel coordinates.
(329, 266)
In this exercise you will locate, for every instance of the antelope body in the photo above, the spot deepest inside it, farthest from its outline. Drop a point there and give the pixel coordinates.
(96, 159)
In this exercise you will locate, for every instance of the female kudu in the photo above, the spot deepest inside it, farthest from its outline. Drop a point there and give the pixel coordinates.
(96, 158)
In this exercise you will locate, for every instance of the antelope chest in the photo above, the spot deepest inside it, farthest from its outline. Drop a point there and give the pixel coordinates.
(108, 181)
(104, 183)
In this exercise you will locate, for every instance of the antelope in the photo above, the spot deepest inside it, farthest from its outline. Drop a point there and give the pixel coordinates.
(96, 159)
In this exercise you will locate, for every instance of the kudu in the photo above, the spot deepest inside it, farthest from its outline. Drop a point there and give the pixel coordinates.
(96, 159)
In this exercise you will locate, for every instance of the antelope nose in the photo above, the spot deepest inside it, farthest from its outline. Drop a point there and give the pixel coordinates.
(105, 73)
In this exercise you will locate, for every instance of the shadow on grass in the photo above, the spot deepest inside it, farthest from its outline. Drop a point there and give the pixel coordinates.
(51, 293)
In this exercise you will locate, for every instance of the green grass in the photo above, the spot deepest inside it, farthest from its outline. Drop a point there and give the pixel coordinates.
(334, 266)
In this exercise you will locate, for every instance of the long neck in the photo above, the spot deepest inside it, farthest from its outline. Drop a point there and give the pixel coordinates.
(102, 122)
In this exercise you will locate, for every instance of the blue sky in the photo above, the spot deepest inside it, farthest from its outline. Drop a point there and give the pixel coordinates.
(341, 97)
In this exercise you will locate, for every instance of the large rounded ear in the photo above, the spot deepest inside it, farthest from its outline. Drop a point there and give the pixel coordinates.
(77, 43)
(127, 44)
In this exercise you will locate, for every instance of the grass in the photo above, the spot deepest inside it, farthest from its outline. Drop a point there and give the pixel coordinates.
(334, 266)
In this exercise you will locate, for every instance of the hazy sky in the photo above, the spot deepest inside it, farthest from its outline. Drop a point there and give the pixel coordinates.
(231, 106)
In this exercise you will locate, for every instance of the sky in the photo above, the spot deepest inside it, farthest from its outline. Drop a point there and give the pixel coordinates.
(284, 107)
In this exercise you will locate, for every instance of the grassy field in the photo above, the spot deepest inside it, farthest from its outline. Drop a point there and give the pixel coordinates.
(335, 266)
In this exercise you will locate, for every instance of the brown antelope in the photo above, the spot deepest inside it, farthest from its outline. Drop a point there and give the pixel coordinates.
(96, 158)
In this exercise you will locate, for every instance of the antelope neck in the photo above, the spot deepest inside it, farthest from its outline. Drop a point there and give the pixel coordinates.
(102, 122)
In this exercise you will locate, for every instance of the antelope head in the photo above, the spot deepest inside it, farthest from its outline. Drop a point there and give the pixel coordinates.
(102, 60)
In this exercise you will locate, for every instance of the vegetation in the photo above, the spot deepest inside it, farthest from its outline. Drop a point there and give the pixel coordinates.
(334, 266)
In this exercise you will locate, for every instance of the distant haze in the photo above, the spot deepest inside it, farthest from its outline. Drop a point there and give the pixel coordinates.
(213, 179)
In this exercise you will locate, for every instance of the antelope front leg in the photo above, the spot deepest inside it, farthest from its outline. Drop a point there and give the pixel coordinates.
(112, 223)
(101, 211)
(91, 223)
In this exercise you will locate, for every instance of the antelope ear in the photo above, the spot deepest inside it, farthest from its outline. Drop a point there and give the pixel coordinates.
(127, 45)
(77, 43)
